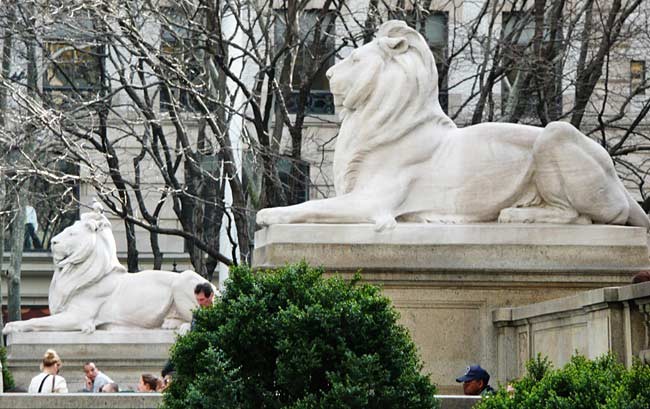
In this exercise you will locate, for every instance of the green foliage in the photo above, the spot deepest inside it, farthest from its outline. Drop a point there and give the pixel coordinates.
(7, 377)
(603, 383)
(291, 339)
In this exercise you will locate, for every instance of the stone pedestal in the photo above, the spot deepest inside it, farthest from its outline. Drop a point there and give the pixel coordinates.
(447, 279)
(123, 356)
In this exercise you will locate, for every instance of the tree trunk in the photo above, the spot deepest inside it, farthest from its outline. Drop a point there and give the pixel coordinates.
(17, 242)
(2, 253)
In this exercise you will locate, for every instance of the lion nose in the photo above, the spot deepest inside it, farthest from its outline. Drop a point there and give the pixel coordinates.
(328, 73)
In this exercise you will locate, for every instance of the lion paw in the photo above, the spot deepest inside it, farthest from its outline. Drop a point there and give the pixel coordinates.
(267, 217)
(88, 327)
(12, 327)
(262, 217)
(386, 222)
(184, 328)
(172, 323)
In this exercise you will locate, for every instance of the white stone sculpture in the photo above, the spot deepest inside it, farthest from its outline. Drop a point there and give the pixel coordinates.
(399, 157)
(90, 288)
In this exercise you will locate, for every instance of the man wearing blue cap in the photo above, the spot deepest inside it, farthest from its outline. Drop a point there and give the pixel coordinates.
(475, 381)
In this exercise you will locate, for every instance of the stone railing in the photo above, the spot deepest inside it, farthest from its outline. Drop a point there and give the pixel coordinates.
(592, 323)
(142, 401)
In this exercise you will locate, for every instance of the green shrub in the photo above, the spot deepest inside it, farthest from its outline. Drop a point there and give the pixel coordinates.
(291, 339)
(580, 384)
(7, 377)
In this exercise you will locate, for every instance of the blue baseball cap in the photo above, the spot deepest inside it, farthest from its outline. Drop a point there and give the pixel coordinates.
(474, 372)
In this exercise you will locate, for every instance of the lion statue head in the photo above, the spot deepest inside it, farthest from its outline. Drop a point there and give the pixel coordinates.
(83, 254)
(382, 91)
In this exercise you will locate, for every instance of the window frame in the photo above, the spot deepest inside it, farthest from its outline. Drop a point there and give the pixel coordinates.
(84, 53)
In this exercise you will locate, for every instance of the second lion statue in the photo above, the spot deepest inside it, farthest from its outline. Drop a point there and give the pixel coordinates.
(90, 288)
(398, 157)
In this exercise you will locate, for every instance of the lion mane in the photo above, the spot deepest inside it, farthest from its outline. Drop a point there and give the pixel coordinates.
(398, 55)
(83, 255)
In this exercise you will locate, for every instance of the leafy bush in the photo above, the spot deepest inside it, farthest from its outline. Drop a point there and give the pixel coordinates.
(7, 378)
(291, 339)
(602, 383)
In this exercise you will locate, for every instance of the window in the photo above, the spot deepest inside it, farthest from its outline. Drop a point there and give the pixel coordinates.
(183, 75)
(313, 59)
(74, 71)
(637, 77)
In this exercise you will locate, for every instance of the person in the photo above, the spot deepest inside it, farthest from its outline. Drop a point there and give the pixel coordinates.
(94, 378)
(31, 227)
(110, 388)
(641, 277)
(49, 380)
(148, 383)
(165, 381)
(475, 381)
(167, 375)
(204, 295)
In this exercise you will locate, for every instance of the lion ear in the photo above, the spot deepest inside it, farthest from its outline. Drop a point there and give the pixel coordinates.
(394, 45)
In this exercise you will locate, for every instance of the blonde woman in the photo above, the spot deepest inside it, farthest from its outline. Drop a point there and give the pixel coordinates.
(49, 381)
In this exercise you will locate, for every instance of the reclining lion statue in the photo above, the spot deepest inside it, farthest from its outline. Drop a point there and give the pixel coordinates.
(398, 157)
(90, 288)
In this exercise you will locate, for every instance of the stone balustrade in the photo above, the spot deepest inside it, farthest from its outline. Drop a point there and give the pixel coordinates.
(592, 323)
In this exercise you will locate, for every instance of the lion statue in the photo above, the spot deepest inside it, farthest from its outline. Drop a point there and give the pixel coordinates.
(398, 157)
(90, 288)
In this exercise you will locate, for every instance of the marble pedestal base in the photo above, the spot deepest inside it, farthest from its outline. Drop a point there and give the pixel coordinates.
(123, 356)
(446, 280)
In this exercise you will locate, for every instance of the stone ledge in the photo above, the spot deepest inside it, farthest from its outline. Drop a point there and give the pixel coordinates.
(477, 233)
(143, 401)
(588, 300)
(470, 247)
(80, 401)
(137, 336)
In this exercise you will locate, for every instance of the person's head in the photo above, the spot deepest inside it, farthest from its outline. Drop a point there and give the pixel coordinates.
(166, 380)
(110, 388)
(204, 294)
(90, 370)
(641, 277)
(475, 380)
(168, 368)
(51, 361)
(148, 383)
